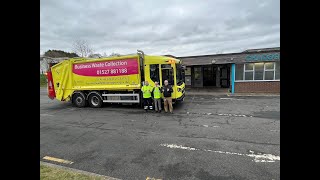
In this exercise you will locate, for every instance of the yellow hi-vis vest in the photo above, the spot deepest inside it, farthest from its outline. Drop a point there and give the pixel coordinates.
(156, 93)
(146, 90)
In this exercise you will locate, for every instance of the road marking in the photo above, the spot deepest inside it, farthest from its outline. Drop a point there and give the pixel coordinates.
(274, 130)
(46, 115)
(231, 99)
(148, 178)
(57, 160)
(235, 115)
(257, 157)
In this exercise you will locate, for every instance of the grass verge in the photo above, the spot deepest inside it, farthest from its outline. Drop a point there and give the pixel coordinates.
(52, 173)
(43, 80)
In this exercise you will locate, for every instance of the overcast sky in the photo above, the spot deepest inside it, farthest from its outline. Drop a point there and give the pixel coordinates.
(176, 27)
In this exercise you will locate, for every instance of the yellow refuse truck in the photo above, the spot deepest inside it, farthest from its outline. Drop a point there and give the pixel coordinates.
(113, 79)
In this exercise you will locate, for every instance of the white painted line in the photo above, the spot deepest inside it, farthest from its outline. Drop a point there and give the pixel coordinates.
(275, 130)
(205, 126)
(235, 115)
(231, 99)
(258, 157)
(174, 146)
(148, 178)
(46, 115)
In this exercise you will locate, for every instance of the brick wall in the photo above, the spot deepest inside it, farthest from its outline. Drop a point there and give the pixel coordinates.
(257, 87)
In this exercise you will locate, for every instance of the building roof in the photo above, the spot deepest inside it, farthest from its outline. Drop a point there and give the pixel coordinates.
(248, 51)
(263, 50)
(223, 58)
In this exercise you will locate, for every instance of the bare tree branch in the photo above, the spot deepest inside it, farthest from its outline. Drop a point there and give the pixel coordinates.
(97, 55)
(114, 54)
(82, 48)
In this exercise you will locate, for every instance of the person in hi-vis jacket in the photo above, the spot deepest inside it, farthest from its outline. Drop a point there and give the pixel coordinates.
(157, 97)
(146, 91)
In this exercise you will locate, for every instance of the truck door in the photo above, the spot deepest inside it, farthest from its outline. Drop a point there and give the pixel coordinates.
(155, 73)
(167, 74)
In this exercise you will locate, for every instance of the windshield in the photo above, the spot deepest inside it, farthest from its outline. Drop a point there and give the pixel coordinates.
(167, 73)
(180, 74)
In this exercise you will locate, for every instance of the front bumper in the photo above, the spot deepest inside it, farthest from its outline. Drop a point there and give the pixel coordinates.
(181, 98)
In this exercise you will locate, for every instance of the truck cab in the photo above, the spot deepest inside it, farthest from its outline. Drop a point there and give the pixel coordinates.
(161, 68)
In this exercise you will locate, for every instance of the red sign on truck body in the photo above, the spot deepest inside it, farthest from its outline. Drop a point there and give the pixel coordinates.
(107, 68)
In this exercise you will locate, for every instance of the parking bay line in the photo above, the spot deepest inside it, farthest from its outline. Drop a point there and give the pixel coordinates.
(256, 157)
(57, 160)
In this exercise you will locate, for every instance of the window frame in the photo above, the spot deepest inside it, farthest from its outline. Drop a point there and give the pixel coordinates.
(157, 67)
(244, 71)
(275, 64)
(235, 78)
(274, 71)
(253, 71)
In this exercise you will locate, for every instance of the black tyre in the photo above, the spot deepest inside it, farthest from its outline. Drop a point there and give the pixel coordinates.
(79, 100)
(95, 100)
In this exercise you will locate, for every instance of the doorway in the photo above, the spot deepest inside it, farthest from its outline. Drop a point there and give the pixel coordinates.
(198, 76)
(209, 76)
(225, 76)
(167, 74)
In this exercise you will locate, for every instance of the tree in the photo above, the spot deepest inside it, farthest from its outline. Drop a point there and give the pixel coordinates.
(59, 53)
(44, 64)
(82, 48)
(95, 55)
(104, 54)
(114, 54)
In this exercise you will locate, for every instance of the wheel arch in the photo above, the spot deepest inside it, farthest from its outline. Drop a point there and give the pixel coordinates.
(78, 92)
(94, 92)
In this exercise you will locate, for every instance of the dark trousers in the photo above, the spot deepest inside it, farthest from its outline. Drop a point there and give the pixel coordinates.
(147, 102)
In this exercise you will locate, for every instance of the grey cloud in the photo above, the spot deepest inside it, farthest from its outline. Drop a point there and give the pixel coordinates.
(174, 27)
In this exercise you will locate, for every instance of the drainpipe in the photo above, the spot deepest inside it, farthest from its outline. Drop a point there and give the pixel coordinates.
(233, 77)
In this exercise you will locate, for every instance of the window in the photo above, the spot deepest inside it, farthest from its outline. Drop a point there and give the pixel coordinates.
(269, 66)
(167, 73)
(248, 76)
(277, 70)
(239, 71)
(249, 66)
(154, 72)
(258, 71)
(180, 74)
(269, 71)
(188, 71)
(248, 71)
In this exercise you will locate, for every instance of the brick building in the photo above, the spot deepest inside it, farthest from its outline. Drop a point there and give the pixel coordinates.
(250, 71)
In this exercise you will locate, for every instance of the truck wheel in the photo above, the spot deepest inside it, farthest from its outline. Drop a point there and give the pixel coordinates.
(95, 100)
(79, 100)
